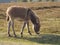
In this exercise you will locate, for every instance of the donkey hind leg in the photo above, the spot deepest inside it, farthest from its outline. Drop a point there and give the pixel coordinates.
(9, 24)
(28, 28)
(23, 28)
(12, 23)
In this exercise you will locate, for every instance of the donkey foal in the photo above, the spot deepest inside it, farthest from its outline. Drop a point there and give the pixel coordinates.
(25, 14)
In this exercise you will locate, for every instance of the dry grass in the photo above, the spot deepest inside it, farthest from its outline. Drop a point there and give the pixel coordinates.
(50, 25)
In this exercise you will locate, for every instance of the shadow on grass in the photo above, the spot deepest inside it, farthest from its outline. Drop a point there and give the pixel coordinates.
(44, 39)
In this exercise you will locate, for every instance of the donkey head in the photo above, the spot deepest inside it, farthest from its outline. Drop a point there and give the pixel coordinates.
(37, 26)
(35, 20)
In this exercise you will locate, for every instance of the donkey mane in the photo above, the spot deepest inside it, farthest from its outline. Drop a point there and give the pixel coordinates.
(33, 17)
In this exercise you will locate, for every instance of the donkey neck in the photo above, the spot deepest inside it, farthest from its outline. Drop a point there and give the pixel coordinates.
(33, 18)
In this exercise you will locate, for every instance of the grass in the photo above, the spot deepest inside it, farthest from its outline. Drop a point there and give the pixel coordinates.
(43, 39)
(50, 26)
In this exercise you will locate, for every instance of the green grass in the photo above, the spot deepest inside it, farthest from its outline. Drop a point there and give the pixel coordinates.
(43, 39)
(49, 34)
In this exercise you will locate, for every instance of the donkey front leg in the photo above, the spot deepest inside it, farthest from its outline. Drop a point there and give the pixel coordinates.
(12, 23)
(9, 24)
(23, 28)
(28, 28)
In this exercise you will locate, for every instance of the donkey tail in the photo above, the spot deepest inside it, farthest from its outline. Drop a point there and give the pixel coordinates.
(7, 18)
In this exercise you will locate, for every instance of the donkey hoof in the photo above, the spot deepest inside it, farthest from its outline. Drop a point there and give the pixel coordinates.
(21, 36)
(15, 35)
(21, 33)
(30, 33)
(37, 33)
(9, 36)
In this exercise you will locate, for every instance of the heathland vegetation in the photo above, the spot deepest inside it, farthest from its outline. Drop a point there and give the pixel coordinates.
(49, 15)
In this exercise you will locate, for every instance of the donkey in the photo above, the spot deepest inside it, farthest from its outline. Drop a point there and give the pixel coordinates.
(25, 14)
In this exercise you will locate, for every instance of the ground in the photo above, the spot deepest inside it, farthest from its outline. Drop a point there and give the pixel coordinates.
(49, 20)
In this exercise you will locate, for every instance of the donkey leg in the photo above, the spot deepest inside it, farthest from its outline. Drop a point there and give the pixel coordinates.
(28, 28)
(12, 23)
(9, 24)
(23, 28)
